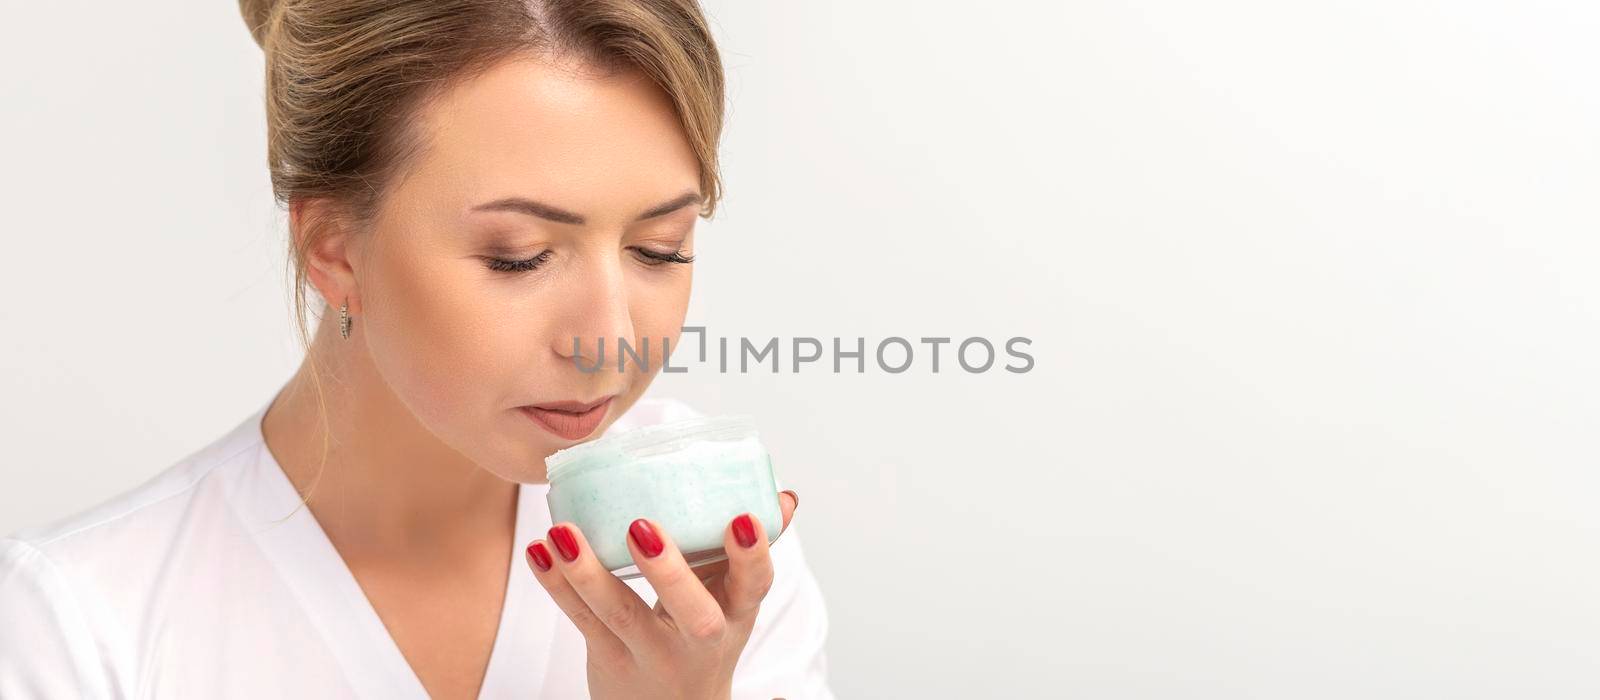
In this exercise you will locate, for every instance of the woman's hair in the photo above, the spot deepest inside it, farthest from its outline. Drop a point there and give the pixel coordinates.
(344, 79)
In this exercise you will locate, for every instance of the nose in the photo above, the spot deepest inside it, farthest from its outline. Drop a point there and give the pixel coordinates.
(595, 317)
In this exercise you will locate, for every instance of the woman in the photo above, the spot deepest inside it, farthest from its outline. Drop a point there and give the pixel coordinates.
(473, 184)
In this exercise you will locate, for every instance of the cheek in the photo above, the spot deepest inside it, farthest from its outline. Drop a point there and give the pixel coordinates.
(434, 336)
(658, 304)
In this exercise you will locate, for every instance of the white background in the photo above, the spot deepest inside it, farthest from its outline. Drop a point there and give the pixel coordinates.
(1311, 288)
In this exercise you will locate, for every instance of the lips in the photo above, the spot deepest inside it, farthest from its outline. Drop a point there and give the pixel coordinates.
(569, 420)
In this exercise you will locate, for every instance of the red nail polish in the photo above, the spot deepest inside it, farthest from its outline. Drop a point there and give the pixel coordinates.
(540, 556)
(565, 542)
(645, 536)
(744, 530)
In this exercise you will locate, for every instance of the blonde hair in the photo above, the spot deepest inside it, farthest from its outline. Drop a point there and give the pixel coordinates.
(343, 78)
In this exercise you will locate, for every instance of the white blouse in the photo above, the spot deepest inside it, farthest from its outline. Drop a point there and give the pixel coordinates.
(186, 587)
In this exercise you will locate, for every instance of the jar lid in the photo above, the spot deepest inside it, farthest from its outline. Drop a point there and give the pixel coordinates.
(644, 441)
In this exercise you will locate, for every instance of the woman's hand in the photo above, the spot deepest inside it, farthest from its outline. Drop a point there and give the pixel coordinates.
(687, 645)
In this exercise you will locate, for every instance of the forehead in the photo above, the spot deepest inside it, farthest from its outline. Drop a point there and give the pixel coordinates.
(568, 134)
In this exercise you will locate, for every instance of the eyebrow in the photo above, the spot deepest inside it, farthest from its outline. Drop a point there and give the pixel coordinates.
(523, 205)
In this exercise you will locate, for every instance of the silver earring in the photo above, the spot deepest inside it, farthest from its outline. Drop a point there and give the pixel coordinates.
(344, 319)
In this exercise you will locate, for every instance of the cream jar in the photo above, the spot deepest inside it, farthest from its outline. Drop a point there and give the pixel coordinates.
(692, 477)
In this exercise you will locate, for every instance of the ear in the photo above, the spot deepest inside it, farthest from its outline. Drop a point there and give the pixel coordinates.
(320, 227)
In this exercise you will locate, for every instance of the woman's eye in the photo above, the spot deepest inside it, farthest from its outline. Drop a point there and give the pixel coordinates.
(652, 257)
(525, 265)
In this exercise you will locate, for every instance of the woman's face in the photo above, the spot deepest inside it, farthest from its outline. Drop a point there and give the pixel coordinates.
(591, 178)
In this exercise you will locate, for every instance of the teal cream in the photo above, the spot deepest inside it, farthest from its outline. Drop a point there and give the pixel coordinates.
(691, 477)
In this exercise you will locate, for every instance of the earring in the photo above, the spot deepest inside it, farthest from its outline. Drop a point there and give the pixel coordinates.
(344, 319)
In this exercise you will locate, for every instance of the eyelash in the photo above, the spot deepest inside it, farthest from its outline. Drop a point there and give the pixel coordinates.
(502, 265)
(675, 256)
(527, 265)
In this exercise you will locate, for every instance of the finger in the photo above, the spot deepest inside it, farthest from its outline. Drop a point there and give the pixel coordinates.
(788, 506)
(788, 501)
(711, 576)
(540, 556)
(694, 611)
(615, 604)
(749, 574)
(715, 574)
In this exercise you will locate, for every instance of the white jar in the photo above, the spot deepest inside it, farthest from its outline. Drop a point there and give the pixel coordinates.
(692, 477)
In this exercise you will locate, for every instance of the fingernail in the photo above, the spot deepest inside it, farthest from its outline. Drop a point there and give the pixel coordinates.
(744, 530)
(645, 536)
(540, 556)
(795, 496)
(565, 542)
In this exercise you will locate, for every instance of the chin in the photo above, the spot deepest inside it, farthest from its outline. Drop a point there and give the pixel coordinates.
(517, 468)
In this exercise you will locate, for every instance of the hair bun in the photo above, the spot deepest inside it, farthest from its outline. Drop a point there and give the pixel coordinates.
(258, 17)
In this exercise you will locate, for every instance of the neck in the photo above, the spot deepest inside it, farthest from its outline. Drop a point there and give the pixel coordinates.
(387, 484)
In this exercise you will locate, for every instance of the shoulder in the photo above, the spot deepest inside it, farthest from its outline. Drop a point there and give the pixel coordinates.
(161, 499)
(46, 647)
(71, 588)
